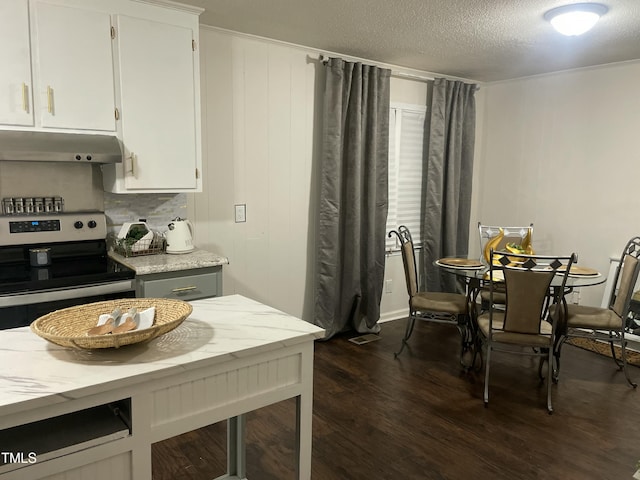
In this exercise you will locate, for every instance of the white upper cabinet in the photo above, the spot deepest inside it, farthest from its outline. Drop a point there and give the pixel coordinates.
(15, 75)
(57, 66)
(73, 67)
(158, 98)
(129, 68)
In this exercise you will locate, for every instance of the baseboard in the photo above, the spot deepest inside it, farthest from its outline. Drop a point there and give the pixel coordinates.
(394, 315)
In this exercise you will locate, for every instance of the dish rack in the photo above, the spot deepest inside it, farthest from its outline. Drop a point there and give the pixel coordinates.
(125, 247)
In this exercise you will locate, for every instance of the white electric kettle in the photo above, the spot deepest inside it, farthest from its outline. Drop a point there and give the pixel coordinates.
(179, 236)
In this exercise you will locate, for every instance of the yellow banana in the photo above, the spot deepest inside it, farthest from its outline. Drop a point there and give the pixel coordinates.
(492, 243)
(526, 243)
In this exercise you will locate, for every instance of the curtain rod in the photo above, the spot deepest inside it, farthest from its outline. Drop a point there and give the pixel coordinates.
(324, 58)
(394, 73)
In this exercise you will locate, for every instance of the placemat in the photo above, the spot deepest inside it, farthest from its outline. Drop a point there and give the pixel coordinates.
(460, 262)
(582, 271)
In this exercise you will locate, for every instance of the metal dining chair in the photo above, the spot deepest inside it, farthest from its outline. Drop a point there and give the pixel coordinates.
(438, 307)
(522, 325)
(604, 324)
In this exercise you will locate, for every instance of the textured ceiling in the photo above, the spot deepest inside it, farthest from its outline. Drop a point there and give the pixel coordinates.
(482, 40)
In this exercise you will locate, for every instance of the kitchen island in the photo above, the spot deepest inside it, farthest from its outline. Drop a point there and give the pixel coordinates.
(231, 356)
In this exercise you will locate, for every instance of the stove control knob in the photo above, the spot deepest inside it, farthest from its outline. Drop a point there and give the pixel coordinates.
(92, 224)
(78, 225)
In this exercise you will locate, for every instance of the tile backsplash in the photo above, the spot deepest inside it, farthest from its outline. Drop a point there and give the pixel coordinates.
(157, 209)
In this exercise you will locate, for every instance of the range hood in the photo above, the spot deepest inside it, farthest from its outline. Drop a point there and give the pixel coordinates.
(59, 147)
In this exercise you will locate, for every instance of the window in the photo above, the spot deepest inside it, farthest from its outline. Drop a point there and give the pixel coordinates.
(406, 158)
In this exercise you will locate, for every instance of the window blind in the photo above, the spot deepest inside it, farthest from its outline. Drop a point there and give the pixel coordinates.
(406, 159)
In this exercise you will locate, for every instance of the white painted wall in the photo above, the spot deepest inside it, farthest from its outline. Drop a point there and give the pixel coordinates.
(258, 103)
(561, 151)
(260, 135)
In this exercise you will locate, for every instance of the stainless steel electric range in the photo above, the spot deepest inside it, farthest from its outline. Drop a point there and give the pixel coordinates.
(50, 261)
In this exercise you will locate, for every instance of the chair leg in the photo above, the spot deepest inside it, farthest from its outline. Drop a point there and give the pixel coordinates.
(557, 349)
(623, 345)
(540, 366)
(467, 347)
(486, 375)
(614, 355)
(410, 323)
(477, 354)
(622, 363)
(549, 378)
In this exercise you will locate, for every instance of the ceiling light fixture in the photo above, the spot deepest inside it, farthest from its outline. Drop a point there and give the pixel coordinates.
(575, 19)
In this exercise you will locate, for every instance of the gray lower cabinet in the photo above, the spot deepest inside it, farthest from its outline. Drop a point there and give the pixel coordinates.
(182, 285)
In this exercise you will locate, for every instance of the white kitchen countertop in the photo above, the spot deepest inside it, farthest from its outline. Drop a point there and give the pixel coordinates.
(165, 262)
(36, 373)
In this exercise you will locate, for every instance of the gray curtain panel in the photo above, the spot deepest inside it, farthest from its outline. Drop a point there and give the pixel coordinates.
(353, 198)
(447, 187)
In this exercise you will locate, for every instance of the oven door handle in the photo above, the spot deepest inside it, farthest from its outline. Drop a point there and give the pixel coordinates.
(29, 298)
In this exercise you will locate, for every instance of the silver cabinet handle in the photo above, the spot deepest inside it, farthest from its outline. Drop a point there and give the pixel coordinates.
(184, 289)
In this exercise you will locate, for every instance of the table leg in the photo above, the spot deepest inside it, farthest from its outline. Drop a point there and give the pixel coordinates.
(473, 290)
(303, 437)
(236, 453)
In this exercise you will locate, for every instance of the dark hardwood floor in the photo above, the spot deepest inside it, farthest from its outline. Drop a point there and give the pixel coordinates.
(422, 417)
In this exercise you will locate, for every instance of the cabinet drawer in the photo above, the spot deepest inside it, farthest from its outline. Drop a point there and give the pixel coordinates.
(186, 287)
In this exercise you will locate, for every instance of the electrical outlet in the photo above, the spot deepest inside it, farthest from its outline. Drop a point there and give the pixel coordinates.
(388, 286)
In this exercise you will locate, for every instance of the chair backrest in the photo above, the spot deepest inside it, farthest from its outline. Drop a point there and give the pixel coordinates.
(408, 258)
(501, 236)
(527, 282)
(626, 277)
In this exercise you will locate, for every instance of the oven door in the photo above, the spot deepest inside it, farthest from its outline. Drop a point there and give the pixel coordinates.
(20, 309)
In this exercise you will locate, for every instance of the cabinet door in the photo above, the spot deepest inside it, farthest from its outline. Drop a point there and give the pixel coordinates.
(157, 104)
(74, 67)
(15, 58)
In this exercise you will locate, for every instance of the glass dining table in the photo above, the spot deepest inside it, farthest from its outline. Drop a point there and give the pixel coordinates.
(475, 275)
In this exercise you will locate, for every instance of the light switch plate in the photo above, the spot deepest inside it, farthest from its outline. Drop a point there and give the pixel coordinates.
(241, 213)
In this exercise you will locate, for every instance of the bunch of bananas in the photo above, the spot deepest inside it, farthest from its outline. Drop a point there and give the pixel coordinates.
(492, 244)
(524, 247)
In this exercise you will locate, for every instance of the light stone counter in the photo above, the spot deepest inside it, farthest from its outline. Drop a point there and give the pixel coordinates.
(164, 262)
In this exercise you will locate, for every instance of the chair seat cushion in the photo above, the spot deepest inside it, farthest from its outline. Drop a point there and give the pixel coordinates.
(454, 303)
(595, 318)
(498, 335)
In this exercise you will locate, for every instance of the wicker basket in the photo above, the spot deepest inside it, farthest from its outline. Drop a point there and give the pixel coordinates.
(68, 327)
